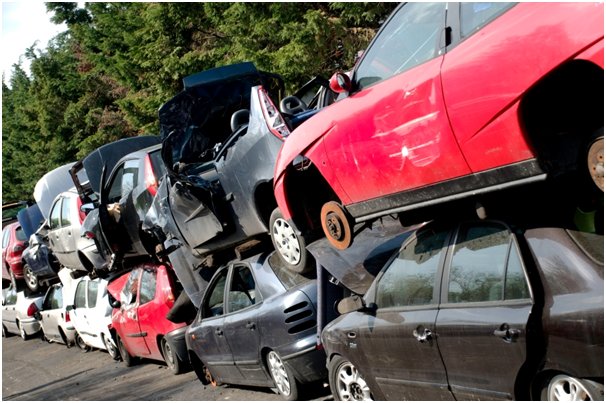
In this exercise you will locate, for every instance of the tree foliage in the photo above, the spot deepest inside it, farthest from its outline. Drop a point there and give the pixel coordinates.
(107, 75)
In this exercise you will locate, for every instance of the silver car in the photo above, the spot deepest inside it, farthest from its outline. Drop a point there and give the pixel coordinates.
(18, 313)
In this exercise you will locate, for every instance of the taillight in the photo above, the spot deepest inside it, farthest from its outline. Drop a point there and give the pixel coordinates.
(89, 235)
(17, 248)
(32, 309)
(67, 317)
(169, 297)
(273, 118)
(151, 184)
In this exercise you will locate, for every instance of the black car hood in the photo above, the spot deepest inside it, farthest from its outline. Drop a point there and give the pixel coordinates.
(357, 266)
(198, 118)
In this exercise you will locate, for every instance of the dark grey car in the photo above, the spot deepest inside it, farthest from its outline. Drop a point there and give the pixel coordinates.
(256, 326)
(221, 136)
(476, 310)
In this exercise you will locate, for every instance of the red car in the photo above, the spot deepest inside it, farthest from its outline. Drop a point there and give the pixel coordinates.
(139, 317)
(14, 242)
(449, 101)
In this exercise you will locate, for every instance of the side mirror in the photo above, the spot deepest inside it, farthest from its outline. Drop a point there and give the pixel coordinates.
(340, 83)
(70, 308)
(350, 304)
(87, 208)
(116, 304)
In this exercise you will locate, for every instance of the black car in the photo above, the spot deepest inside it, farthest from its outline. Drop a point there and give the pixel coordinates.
(474, 310)
(123, 179)
(221, 136)
(257, 325)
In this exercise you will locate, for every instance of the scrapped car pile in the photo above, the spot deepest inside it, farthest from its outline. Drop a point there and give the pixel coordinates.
(446, 196)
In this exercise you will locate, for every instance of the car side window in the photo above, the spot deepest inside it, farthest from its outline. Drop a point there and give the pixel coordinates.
(57, 299)
(48, 300)
(242, 290)
(130, 289)
(213, 304)
(55, 215)
(5, 237)
(93, 289)
(115, 188)
(410, 38)
(130, 177)
(11, 297)
(410, 278)
(483, 261)
(476, 15)
(148, 286)
(66, 213)
(80, 298)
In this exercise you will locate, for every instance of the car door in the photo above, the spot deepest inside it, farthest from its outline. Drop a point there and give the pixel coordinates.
(393, 133)
(9, 310)
(148, 310)
(55, 235)
(128, 319)
(51, 313)
(240, 327)
(79, 311)
(215, 350)
(398, 343)
(485, 307)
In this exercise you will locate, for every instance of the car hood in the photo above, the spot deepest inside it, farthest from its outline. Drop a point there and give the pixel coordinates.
(357, 266)
(198, 118)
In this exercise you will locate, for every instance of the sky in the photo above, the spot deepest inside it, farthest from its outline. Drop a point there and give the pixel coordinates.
(23, 23)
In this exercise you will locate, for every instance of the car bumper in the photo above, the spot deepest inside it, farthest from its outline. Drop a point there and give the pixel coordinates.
(30, 325)
(308, 364)
(177, 340)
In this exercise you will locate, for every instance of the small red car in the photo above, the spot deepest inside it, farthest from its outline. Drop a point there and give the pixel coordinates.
(13, 243)
(139, 317)
(449, 101)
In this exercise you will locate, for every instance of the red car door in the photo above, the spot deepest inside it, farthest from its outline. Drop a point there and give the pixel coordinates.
(128, 317)
(393, 133)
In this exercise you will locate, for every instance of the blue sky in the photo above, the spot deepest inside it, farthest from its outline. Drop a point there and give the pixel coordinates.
(23, 23)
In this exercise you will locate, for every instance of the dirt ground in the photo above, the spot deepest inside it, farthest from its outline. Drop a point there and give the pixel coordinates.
(36, 370)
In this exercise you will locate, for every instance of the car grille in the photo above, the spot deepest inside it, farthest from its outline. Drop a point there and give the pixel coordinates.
(300, 317)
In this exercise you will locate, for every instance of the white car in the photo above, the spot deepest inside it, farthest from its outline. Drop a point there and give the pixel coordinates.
(18, 313)
(90, 312)
(72, 249)
(54, 317)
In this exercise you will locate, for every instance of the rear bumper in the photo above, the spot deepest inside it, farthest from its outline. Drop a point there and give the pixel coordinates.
(308, 363)
(30, 325)
(177, 339)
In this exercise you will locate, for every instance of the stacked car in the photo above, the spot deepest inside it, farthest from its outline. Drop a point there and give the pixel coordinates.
(450, 187)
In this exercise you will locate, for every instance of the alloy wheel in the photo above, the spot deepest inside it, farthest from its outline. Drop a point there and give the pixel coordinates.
(350, 384)
(286, 241)
(567, 388)
(30, 278)
(278, 373)
(111, 347)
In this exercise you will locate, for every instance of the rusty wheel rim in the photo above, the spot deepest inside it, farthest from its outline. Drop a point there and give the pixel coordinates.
(595, 162)
(336, 225)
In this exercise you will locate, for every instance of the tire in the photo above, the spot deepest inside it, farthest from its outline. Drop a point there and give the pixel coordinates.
(22, 333)
(568, 388)
(81, 344)
(171, 358)
(290, 246)
(31, 280)
(128, 359)
(111, 348)
(345, 381)
(286, 384)
(5, 332)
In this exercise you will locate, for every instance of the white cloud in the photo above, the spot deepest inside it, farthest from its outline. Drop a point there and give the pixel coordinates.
(23, 24)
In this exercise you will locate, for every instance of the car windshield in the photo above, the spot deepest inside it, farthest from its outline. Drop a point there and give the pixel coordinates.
(591, 244)
(288, 278)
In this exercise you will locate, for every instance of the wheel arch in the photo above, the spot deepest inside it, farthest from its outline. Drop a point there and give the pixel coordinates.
(566, 105)
(264, 201)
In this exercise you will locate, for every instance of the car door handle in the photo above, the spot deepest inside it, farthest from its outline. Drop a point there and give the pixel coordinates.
(507, 334)
(250, 326)
(219, 332)
(422, 335)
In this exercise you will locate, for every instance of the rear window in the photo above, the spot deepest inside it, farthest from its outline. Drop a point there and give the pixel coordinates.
(591, 244)
(20, 234)
(288, 278)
